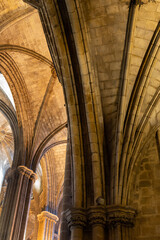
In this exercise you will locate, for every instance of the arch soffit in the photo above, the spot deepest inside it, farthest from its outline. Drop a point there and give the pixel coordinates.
(51, 146)
(15, 17)
(19, 49)
(43, 148)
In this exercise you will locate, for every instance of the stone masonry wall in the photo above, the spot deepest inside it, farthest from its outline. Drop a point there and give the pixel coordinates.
(145, 195)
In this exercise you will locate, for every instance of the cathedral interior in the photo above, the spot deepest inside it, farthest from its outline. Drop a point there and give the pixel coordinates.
(79, 119)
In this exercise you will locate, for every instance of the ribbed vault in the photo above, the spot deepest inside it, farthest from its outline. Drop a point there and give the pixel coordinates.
(100, 61)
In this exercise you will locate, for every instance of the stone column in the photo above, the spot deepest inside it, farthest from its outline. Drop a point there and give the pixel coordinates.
(47, 223)
(120, 221)
(17, 200)
(67, 199)
(97, 219)
(76, 219)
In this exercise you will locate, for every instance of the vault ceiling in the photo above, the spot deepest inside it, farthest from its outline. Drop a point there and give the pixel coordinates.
(26, 64)
(22, 41)
(127, 60)
(119, 59)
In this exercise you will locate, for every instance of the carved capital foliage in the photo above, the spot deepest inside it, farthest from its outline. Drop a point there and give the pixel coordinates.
(76, 217)
(101, 215)
(97, 215)
(119, 215)
(27, 172)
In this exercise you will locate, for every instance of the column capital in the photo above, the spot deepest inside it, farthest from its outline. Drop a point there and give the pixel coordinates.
(117, 215)
(27, 172)
(97, 215)
(76, 217)
(47, 215)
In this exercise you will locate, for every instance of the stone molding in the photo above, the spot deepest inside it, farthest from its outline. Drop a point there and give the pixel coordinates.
(76, 217)
(47, 215)
(96, 215)
(27, 172)
(120, 215)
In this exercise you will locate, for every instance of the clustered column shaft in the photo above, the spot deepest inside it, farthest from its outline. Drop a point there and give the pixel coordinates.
(16, 203)
(116, 222)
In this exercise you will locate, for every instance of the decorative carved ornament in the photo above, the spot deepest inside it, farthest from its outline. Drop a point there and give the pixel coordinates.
(119, 215)
(76, 217)
(47, 215)
(96, 215)
(101, 215)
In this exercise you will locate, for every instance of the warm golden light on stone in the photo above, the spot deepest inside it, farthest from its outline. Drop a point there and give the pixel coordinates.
(80, 119)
